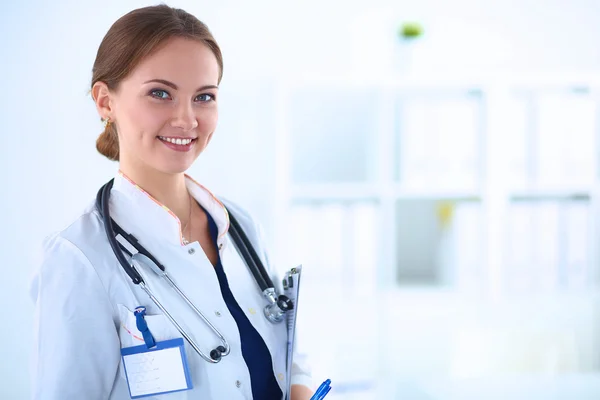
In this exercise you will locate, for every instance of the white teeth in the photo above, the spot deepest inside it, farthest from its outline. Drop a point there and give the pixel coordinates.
(181, 142)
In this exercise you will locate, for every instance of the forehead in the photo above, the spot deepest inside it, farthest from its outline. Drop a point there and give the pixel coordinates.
(185, 62)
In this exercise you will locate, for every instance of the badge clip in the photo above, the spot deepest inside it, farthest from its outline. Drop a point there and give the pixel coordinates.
(142, 326)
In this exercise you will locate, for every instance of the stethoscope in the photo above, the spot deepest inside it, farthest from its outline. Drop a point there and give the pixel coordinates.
(274, 311)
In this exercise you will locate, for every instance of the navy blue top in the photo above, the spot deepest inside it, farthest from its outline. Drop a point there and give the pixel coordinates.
(254, 349)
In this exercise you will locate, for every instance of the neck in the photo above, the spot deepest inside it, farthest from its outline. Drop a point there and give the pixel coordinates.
(168, 189)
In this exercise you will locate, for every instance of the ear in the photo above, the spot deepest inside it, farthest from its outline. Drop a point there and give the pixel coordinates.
(103, 99)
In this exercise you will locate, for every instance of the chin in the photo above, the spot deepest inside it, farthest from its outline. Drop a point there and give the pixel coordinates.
(174, 168)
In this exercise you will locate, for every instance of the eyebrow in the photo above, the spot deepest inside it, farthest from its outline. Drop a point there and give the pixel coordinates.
(174, 86)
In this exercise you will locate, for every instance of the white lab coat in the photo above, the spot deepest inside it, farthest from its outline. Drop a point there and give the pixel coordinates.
(84, 303)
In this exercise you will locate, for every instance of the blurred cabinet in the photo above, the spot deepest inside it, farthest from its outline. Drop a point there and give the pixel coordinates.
(553, 137)
(470, 186)
(340, 240)
(432, 200)
(439, 135)
(440, 242)
(548, 245)
(551, 209)
(564, 137)
(332, 135)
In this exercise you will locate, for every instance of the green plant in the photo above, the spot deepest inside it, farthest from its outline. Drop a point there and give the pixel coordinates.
(410, 30)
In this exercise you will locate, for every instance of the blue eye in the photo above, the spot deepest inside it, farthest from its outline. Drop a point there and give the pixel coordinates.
(159, 93)
(204, 98)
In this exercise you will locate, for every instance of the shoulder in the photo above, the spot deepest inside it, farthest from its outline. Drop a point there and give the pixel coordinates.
(81, 235)
(70, 254)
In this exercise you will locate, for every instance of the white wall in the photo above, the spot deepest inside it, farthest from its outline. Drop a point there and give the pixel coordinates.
(50, 124)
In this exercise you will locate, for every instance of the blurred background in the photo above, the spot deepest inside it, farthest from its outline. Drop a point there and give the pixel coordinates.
(433, 165)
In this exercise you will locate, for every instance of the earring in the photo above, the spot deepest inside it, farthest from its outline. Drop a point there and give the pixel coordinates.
(106, 122)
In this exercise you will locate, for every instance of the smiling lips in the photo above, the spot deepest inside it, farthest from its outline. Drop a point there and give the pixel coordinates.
(178, 144)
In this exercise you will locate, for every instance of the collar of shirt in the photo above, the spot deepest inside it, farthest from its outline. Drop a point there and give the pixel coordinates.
(136, 211)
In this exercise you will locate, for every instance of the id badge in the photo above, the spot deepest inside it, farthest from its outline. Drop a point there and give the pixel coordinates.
(158, 370)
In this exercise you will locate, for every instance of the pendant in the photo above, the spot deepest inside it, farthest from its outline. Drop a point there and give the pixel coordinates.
(185, 241)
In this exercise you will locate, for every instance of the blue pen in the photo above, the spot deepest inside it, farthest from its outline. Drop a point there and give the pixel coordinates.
(325, 394)
(321, 390)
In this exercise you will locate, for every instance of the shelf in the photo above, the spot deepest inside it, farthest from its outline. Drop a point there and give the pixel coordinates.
(360, 191)
(401, 193)
(433, 295)
(551, 194)
(589, 82)
(337, 191)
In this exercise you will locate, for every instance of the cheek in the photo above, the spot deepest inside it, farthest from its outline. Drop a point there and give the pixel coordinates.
(144, 120)
(207, 122)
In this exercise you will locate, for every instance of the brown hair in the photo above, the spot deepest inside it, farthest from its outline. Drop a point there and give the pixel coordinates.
(133, 37)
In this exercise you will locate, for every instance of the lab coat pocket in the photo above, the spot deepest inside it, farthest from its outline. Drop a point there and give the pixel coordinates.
(159, 325)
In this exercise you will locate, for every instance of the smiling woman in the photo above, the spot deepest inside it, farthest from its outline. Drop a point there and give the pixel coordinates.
(155, 85)
(168, 98)
(180, 105)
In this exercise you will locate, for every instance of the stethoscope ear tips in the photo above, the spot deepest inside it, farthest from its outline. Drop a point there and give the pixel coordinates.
(215, 354)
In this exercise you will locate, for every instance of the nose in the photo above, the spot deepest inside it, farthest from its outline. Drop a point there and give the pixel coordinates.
(184, 118)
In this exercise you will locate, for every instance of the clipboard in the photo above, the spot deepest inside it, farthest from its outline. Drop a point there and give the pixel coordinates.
(291, 288)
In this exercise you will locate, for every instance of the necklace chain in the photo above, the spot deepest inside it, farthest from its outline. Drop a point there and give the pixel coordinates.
(186, 241)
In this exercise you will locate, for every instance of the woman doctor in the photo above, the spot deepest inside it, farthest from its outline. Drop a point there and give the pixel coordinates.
(155, 85)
